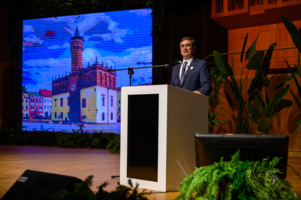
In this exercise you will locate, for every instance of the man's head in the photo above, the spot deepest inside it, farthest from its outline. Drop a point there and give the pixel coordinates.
(187, 46)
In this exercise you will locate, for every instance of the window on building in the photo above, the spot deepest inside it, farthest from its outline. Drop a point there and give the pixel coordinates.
(32, 107)
(26, 107)
(32, 100)
(84, 103)
(55, 100)
(44, 100)
(111, 115)
(111, 99)
(62, 115)
(62, 101)
(44, 107)
(41, 101)
(103, 116)
(50, 100)
(50, 107)
(26, 100)
(55, 115)
(103, 100)
(119, 101)
(119, 108)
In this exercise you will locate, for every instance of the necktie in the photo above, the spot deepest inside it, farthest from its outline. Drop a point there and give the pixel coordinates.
(183, 72)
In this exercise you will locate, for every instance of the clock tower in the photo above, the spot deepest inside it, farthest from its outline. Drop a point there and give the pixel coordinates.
(76, 48)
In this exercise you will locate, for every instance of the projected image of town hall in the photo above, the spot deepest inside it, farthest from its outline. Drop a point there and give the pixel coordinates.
(69, 82)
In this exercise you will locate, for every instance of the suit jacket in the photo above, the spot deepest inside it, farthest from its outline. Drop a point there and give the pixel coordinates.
(197, 77)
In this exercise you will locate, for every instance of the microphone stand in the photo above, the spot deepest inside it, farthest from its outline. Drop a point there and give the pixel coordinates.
(131, 69)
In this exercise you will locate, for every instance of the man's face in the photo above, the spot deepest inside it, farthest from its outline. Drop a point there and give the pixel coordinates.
(187, 50)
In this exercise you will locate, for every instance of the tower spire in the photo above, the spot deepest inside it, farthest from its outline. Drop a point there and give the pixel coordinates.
(76, 32)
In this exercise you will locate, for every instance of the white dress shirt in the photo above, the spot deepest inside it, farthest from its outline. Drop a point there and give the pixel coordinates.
(189, 60)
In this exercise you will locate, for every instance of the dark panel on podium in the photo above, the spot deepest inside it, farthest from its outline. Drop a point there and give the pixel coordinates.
(143, 119)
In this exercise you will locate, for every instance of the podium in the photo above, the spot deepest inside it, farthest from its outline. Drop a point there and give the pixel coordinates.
(158, 125)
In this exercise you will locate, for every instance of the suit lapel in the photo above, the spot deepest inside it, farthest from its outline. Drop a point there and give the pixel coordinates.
(193, 63)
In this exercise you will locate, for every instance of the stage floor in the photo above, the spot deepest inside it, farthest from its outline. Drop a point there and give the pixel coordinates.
(80, 163)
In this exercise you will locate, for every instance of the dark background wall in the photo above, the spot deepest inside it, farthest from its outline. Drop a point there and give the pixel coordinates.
(4, 71)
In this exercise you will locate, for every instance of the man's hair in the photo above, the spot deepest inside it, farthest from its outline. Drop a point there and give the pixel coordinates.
(193, 43)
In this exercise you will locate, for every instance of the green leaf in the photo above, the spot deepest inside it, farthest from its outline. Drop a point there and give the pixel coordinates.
(298, 69)
(254, 85)
(295, 35)
(275, 100)
(255, 122)
(263, 125)
(229, 99)
(285, 80)
(296, 100)
(265, 66)
(259, 102)
(254, 111)
(263, 79)
(251, 50)
(284, 103)
(294, 77)
(243, 49)
(256, 59)
(267, 101)
(222, 64)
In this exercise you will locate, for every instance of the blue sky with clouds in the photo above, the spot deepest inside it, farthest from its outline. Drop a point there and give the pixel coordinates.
(119, 39)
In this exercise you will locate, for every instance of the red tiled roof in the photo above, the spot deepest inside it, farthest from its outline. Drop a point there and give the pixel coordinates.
(46, 93)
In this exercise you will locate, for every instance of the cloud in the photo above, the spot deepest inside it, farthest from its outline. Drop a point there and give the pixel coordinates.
(56, 64)
(27, 78)
(133, 56)
(88, 21)
(28, 29)
(33, 40)
(90, 55)
(66, 45)
(141, 12)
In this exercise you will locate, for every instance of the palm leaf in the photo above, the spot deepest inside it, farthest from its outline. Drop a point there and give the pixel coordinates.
(295, 34)
(254, 111)
(275, 100)
(243, 49)
(229, 99)
(255, 60)
(251, 50)
(296, 99)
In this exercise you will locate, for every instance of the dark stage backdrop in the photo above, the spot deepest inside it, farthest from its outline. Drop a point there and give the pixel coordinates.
(66, 61)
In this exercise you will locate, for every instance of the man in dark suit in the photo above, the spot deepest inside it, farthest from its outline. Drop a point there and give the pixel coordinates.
(192, 74)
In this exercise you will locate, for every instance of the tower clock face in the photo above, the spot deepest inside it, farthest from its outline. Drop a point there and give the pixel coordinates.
(73, 86)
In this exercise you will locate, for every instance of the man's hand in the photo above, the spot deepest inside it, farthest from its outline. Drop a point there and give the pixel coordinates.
(197, 92)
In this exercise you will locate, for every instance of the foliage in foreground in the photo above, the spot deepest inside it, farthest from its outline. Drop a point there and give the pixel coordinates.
(237, 180)
(77, 139)
(82, 191)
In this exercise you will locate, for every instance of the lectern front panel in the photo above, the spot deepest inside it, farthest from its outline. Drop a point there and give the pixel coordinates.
(142, 149)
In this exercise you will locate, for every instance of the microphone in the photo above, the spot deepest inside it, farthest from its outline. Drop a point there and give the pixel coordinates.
(173, 64)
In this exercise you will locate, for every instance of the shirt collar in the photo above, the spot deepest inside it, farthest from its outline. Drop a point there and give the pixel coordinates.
(189, 60)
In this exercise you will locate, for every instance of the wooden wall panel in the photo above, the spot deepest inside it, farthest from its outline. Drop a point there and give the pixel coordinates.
(268, 34)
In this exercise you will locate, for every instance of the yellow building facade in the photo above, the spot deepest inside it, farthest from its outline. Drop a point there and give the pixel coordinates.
(60, 107)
